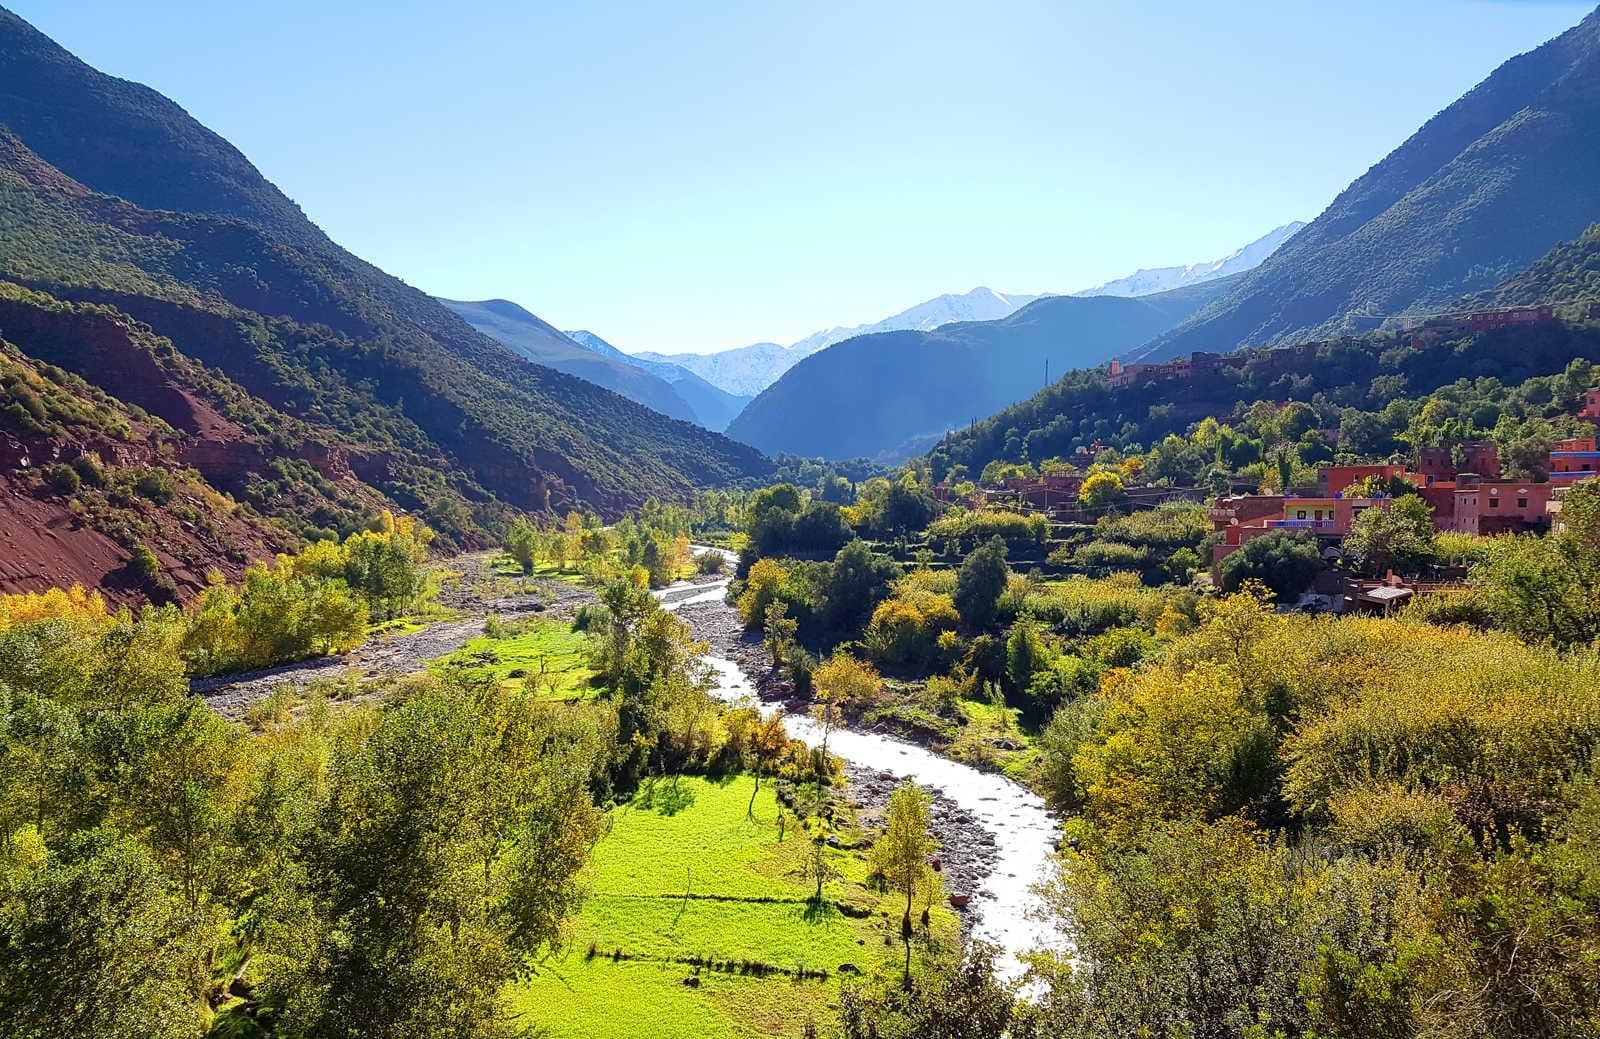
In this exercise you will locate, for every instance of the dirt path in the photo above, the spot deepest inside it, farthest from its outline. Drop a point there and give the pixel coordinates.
(477, 595)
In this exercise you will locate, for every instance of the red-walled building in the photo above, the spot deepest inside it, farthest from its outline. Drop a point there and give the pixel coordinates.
(1481, 458)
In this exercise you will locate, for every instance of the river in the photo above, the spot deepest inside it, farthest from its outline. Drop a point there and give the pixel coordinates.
(1008, 911)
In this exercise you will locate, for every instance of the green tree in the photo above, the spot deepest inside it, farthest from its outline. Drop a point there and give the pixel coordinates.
(94, 942)
(980, 582)
(1286, 561)
(1399, 538)
(901, 852)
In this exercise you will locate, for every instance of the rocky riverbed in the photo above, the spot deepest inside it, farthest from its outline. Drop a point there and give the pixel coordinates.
(474, 592)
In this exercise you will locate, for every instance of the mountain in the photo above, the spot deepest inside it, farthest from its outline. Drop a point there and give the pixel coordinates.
(1354, 371)
(747, 370)
(112, 196)
(980, 304)
(1482, 190)
(531, 337)
(890, 394)
(743, 371)
(1568, 274)
(713, 406)
(1145, 281)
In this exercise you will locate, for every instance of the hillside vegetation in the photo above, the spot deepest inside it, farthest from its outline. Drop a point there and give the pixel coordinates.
(432, 415)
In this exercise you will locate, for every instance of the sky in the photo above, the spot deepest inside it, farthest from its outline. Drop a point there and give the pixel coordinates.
(690, 176)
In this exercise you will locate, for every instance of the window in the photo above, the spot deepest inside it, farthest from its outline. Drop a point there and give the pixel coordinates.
(1300, 514)
(1494, 503)
(1522, 503)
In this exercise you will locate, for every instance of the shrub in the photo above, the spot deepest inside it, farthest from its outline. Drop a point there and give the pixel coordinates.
(62, 479)
(156, 485)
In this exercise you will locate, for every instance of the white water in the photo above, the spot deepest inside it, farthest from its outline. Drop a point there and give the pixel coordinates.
(1009, 912)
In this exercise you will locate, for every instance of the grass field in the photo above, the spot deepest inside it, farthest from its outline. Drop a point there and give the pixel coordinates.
(684, 873)
(544, 655)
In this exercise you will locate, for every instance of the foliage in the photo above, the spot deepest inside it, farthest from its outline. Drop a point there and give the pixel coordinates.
(1398, 538)
(979, 583)
(1285, 561)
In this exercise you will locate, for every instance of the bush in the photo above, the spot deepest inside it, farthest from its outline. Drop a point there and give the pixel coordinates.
(156, 485)
(62, 479)
(1285, 561)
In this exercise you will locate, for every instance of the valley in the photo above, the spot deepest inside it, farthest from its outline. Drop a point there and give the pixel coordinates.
(1211, 652)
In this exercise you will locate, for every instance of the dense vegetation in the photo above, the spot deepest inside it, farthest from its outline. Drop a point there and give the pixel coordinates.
(1381, 393)
(1474, 196)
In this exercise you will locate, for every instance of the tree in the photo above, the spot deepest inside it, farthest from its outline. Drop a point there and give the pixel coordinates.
(957, 999)
(523, 543)
(1286, 561)
(980, 582)
(767, 743)
(93, 942)
(1101, 490)
(446, 852)
(902, 850)
(1399, 538)
(779, 631)
(856, 582)
(818, 866)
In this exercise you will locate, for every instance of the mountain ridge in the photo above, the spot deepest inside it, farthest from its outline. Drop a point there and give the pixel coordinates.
(885, 394)
(1478, 192)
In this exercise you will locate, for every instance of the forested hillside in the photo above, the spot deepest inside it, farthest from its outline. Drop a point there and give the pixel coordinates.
(431, 415)
(892, 393)
(1364, 373)
(1479, 192)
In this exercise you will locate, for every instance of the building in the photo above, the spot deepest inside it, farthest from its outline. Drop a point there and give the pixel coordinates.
(1573, 459)
(1454, 503)
(1333, 479)
(1510, 506)
(1120, 376)
(1512, 318)
(1479, 457)
(1244, 518)
(1591, 403)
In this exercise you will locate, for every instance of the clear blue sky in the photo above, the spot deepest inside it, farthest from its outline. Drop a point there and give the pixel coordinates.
(694, 176)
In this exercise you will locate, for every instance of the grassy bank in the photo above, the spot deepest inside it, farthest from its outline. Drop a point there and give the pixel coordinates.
(686, 875)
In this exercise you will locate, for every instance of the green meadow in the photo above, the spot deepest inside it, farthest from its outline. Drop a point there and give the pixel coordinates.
(686, 876)
(544, 655)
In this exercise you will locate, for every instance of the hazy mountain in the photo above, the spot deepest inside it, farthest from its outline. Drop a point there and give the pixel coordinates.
(1163, 279)
(743, 371)
(748, 370)
(111, 194)
(1482, 190)
(713, 407)
(542, 343)
(889, 394)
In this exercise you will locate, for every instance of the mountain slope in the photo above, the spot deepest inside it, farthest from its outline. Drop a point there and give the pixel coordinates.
(368, 359)
(713, 407)
(1569, 273)
(542, 343)
(1145, 281)
(750, 369)
(1478, 193)
(889, 393)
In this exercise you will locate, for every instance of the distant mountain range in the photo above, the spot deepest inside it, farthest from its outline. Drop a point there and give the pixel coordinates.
(713, 407)
(1480, 192)
(747, 370)
(1165, 279)
(890, 395)
(668, 388)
